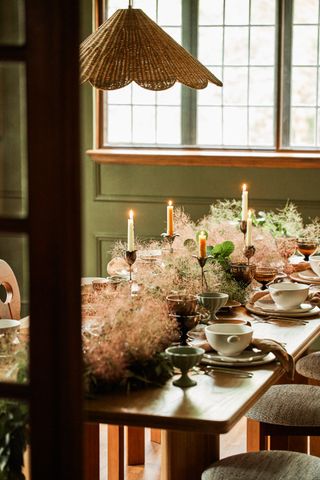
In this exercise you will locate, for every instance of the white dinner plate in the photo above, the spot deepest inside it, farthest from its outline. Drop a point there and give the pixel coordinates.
(297, 278)
(268, 305)
(282, 313)
(309, 275)
(253, 358)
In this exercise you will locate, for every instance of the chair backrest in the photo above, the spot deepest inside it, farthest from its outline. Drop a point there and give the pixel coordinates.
(11, 307)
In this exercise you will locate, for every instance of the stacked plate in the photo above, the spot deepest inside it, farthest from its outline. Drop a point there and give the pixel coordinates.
(306, 276)
(246, 358)
(266, 306)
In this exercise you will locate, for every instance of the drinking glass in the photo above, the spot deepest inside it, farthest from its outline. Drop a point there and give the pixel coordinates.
(286, 247)
(306, 247)
(265, 275)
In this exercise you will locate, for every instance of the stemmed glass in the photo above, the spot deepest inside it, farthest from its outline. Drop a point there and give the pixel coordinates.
(306, 247)
(286, 247)
(183, 308)
(265, 275)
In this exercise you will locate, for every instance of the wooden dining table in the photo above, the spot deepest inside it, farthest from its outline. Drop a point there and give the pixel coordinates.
(191, 420)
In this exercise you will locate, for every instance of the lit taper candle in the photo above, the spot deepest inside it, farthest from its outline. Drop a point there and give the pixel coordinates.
(170, 229)
(130, 246)
(244, 210)
(249, 230)
(202, 245)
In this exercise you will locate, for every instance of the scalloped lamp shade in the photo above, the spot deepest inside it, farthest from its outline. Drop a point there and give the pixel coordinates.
(130, 47)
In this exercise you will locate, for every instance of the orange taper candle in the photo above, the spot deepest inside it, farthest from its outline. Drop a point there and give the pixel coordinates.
(202, 245)
(170, 229)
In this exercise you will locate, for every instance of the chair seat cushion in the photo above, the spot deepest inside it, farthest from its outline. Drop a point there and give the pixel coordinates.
(289, 405)
(309, 366)
(264, 465)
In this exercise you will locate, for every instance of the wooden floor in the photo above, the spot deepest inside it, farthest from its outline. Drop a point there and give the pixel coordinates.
(231, 443)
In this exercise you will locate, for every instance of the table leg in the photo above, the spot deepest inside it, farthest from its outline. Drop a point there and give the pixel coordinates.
(135, 445)
(255, 441)
(115, 452)
(185, 455)
(155, 435)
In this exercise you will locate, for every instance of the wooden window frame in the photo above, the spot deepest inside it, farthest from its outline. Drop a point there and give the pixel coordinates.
(279, 157)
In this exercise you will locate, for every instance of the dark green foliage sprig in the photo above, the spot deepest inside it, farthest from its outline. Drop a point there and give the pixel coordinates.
(13, 438)
(221, 252)
(143, 373)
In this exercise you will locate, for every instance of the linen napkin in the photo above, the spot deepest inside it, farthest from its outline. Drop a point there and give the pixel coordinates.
(267, 345)
(314, 298)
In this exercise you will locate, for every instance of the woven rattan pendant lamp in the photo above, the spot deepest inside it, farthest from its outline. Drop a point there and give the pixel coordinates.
(130, 47)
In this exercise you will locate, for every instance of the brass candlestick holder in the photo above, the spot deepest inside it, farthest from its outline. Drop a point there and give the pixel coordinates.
(170, 239)
(130, 259)
(202, 262)
(249, 251)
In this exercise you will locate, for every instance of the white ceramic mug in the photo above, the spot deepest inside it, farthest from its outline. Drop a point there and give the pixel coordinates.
(288, 295)
(228, 339)
(314, 261)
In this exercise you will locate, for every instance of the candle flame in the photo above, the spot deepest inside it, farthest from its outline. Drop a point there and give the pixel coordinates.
(131, 214)
(170, 203)
(244, 187)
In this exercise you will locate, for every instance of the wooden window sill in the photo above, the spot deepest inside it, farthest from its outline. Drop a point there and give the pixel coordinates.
(205, 158)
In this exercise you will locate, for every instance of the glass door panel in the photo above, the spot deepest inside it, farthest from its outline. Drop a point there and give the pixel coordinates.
(13, 174)
(14, 309)
(12, 22)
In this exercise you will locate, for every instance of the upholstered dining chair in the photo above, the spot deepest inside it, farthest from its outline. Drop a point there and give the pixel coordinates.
(10, 306)
(286, 411)
(309, 366)
(264, 465)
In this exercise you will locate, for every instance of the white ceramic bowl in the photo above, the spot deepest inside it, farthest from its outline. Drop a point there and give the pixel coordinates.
(288, 295)
(228, 339)
(9, 335)
(314, 261)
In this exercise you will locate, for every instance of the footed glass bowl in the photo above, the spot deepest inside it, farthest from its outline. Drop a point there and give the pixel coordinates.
(184, 358)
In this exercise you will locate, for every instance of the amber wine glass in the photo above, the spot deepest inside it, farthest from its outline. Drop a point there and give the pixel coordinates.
(265, 275)
(306, 247)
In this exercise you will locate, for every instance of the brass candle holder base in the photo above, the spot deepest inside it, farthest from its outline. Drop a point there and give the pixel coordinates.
(202, 262)
(130, 259)
(249, 251)
(170, 239)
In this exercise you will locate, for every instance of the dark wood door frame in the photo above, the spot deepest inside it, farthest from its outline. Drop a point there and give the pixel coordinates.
(53, 229)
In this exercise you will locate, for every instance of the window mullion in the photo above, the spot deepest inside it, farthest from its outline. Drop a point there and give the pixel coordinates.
(285, 19)
(189, 95)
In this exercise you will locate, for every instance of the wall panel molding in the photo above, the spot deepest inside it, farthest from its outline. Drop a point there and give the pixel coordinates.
(5, 194)
(261, 203)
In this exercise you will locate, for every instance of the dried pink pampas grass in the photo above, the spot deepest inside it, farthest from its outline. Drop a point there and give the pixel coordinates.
(125, 330)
